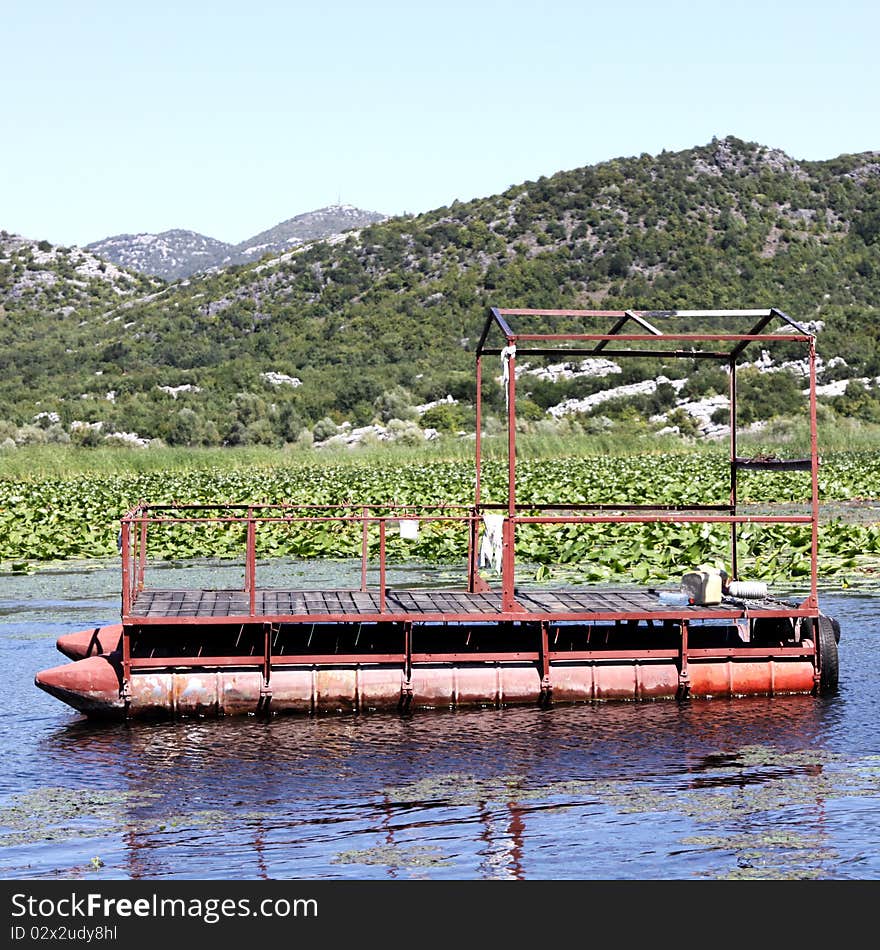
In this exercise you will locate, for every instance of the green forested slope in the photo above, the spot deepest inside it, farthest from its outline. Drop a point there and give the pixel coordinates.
(400, 304)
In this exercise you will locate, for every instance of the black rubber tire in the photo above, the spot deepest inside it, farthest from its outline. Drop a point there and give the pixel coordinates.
(826, 644)
(836, 626)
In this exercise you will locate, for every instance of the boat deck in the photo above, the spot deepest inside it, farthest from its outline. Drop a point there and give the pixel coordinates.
(301, 606)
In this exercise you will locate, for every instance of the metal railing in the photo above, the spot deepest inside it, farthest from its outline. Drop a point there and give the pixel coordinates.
(137, 523)
(375, 526)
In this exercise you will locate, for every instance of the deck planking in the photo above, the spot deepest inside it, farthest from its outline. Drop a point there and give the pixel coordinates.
(357, 604)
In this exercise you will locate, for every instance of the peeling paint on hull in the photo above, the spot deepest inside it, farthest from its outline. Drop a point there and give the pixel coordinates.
(93, 686)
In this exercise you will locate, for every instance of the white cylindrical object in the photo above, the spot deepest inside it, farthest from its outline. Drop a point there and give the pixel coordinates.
(748, 590)
(409, 528)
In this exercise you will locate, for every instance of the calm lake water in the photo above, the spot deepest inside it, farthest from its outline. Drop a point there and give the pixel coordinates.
(748, 788)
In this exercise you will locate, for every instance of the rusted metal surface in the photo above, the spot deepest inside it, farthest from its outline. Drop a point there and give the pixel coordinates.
(814, 482)
(750, 678)
(92, 686)
(338, 606)
(95, 641)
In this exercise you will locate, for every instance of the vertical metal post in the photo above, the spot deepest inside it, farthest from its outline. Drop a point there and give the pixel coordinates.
(407, 646)
(545, 661)
(381, 565)
(265, 699)
(473, 557)
(364, 547)
(267, 654)
(478, 441)
(511, 435)
(472, 550)
(508, 530)
(125, 691)
(134, 577)
(125, 554)
(734, 472)
(684, 679)
(250, 573)
(508, 587)
(407, 688)
(142, 553)
(814, 469)
(247, 549)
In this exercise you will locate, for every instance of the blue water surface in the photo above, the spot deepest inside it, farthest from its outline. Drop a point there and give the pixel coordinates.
(745, 788)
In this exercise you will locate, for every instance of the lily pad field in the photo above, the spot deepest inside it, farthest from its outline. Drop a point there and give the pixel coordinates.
(50, 518)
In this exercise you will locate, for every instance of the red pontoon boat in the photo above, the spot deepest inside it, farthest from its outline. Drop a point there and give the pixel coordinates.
(258, 650)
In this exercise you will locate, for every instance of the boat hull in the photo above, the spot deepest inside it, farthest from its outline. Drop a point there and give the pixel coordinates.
(96, 641)
(93, 686)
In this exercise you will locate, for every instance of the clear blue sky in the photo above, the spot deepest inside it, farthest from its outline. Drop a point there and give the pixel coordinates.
(226, 118)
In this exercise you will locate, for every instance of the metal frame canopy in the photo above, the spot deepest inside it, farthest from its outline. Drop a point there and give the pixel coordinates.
(720, 335)
(683, 327)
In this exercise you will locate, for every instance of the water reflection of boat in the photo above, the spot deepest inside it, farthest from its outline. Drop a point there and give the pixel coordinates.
(202, 652)
(285, 796)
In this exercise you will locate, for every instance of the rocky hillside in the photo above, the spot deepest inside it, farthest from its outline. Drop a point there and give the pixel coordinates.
(312, 226)
(170, 255)
(36, 276)
(373, 325)
(177, 254)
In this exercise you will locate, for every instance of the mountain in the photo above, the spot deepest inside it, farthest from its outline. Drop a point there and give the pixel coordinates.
(385, 318)
(177, 254)
(311, 226)
(170, 255)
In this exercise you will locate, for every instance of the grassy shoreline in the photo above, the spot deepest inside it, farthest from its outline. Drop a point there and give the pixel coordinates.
(46, 461)
(782, 437)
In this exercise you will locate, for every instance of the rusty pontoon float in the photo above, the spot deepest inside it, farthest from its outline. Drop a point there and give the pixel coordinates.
(252, 650)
